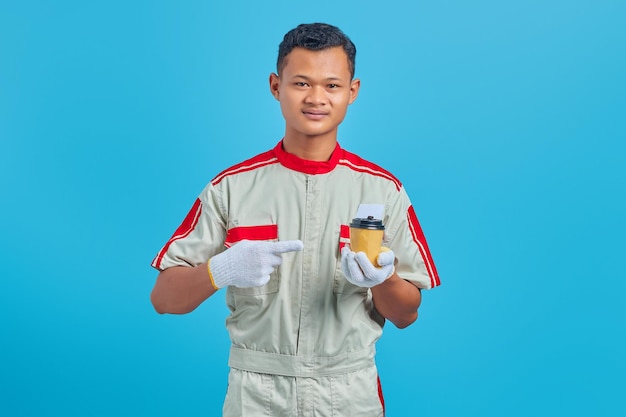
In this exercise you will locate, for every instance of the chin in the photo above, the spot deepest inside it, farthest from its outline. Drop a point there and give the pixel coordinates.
(315, 135)
(316, 132)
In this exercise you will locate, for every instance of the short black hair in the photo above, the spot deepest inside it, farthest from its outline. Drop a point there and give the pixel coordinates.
(315, 37)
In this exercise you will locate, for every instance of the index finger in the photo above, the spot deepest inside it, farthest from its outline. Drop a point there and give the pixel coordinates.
(287, 246)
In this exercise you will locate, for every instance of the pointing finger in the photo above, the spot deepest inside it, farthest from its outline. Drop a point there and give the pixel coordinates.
(287, 246)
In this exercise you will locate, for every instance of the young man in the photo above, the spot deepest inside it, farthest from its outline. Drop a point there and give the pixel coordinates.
(306, 311)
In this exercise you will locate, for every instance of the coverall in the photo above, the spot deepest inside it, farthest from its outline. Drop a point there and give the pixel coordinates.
(304, 343)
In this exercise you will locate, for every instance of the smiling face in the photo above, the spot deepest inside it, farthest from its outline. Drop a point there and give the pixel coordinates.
(314, 89)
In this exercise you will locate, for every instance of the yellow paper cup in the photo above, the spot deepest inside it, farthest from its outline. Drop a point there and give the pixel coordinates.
(366, 235)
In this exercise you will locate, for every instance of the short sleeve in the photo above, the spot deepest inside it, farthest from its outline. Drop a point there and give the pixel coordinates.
(200, 235)
(405, 237)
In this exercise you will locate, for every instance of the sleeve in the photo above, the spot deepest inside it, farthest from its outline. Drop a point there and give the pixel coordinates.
(404, 235)
(200, 236)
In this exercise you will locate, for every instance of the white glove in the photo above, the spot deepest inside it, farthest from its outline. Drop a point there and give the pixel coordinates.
(249, 263)
(360, 271)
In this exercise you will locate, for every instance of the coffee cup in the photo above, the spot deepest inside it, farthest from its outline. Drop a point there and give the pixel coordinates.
(366, 235)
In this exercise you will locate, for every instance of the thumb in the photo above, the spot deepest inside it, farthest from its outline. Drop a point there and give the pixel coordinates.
(385, 257)
(286, 246)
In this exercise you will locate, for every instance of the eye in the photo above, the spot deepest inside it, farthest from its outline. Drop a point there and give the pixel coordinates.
(301, 84)
(333, 86)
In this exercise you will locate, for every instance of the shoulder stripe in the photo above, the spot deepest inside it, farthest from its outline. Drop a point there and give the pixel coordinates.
(364, 166)
(264, 159)
(356, 163)
(186, 227)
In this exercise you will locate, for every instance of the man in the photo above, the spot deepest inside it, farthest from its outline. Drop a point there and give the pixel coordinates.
(306, 311)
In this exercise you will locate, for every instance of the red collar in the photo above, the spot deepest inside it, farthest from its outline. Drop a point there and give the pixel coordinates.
(291, 161)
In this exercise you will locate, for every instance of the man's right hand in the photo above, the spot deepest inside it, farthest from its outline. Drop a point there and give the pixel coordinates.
(249, 263)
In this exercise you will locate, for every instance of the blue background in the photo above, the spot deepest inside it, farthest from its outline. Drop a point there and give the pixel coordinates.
(504, 120)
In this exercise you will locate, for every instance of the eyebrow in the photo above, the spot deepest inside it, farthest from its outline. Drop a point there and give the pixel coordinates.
(309, 79)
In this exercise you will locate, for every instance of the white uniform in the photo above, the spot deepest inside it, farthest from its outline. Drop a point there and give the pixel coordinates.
(304, 343)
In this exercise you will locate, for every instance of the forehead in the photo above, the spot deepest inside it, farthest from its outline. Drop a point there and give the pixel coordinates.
(325, 63)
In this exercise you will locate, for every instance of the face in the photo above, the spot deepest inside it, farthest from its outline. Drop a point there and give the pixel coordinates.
(314, 90)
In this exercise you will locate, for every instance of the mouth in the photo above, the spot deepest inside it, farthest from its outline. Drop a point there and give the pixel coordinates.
(314, 114)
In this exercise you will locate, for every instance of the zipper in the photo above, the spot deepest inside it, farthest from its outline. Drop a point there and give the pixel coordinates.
(307, 190)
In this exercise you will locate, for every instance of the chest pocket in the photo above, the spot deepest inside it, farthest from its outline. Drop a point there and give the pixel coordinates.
(266, 232)
(341, 285)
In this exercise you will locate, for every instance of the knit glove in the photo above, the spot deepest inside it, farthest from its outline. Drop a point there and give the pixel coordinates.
(249, 263)
(360, 271)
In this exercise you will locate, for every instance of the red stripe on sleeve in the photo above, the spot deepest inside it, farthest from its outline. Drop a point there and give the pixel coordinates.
(186, 227)
(380, 394)
(420, 239)
(264, 232)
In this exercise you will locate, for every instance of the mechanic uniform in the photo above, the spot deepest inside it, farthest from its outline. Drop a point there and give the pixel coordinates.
(304, 343)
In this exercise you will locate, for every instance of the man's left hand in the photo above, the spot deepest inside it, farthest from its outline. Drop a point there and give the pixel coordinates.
(360, 271)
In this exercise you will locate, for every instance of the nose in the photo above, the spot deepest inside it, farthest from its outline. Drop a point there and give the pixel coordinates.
(316, 96)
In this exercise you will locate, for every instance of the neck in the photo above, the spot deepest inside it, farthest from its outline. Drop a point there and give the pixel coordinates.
(310, 148)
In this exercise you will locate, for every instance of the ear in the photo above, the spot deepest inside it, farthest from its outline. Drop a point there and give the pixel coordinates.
(354, 90)
(274, 85)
